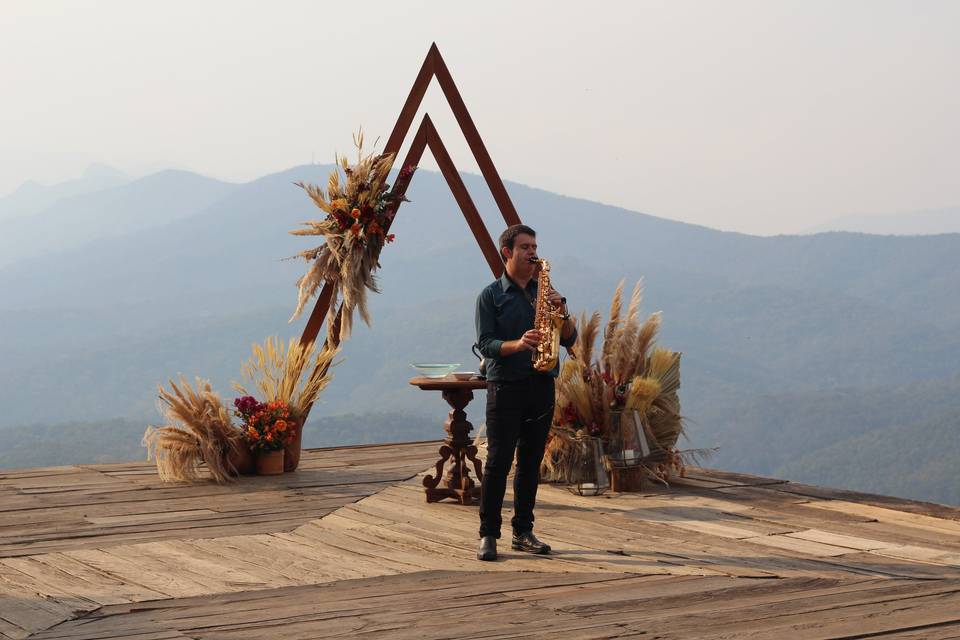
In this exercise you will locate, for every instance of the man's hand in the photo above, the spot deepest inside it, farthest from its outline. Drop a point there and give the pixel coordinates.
(527, 342)
(558, 301)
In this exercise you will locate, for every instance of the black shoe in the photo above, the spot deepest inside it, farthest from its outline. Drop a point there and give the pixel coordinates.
(488, 548)
(529, 543)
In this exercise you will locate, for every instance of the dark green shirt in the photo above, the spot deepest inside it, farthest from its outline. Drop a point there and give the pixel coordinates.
(505, 313)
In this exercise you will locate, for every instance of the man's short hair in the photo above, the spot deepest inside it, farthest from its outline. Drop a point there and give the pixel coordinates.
(508, 237)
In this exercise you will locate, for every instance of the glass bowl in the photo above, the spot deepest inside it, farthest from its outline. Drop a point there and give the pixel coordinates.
(434, 369)
(464, 375)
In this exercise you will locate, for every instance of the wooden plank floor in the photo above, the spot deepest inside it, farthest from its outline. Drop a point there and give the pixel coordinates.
(67, 508)
(347, 547)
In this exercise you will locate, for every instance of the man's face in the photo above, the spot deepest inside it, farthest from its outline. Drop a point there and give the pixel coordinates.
(524, 248)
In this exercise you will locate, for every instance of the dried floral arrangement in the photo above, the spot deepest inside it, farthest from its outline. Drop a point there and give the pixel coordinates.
(199, 429)
(267, 425)
(629, 373)
(359, 209)
(292, 374)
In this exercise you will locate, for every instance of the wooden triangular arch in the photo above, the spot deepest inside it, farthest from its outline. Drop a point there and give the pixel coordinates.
(427, 136)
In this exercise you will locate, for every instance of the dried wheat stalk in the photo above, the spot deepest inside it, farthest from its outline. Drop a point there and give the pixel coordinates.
(628, 356)
(198, 430)
(291, 373)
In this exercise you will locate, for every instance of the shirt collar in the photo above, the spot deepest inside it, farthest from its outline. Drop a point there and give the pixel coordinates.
(506, 283)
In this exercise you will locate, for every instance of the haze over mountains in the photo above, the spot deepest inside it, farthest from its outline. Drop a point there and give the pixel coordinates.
(925, 222)
(806, 357)
(97, 213)
(32, 197)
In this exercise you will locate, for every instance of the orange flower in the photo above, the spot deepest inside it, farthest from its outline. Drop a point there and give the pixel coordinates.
(280, 425)
(277, 405)
(355, 213)
(268, 437)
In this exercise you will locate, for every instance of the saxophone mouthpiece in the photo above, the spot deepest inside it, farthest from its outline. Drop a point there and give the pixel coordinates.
(534, 260)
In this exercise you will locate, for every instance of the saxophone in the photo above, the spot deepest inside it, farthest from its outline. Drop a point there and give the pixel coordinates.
(548, 321)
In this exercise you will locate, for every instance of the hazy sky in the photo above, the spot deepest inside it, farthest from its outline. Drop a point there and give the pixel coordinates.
(758, 116)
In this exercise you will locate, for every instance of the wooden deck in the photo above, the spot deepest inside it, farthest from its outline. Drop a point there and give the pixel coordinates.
(348, 547)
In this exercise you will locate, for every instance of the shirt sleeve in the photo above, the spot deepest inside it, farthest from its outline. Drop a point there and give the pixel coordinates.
(569, 342)
(486, 321)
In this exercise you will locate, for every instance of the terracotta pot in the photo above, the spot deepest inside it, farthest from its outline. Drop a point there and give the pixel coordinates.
(270, 463)
(240, 457)
(291, 459)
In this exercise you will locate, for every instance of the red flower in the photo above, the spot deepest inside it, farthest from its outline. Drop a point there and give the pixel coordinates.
(355, 229)
(343, 221)
(391, 237)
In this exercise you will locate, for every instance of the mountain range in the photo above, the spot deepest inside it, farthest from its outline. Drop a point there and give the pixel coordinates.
(910, 223)
(32, 197)
(790, 343)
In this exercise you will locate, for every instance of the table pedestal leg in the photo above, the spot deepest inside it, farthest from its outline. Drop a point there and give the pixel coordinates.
(459, 449)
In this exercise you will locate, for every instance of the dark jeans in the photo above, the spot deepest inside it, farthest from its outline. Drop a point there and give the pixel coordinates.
(518, 419)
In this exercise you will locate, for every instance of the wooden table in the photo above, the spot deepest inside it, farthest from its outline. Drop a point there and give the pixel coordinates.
(458, 447)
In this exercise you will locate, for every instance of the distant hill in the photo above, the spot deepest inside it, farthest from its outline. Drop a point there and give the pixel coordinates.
(912, 459)
(32, 197)
(187, 283)
(925, 222)
(111, 212)
(898, 439)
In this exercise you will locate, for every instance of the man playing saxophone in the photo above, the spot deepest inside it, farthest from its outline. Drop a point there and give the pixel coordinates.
(520, 398)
